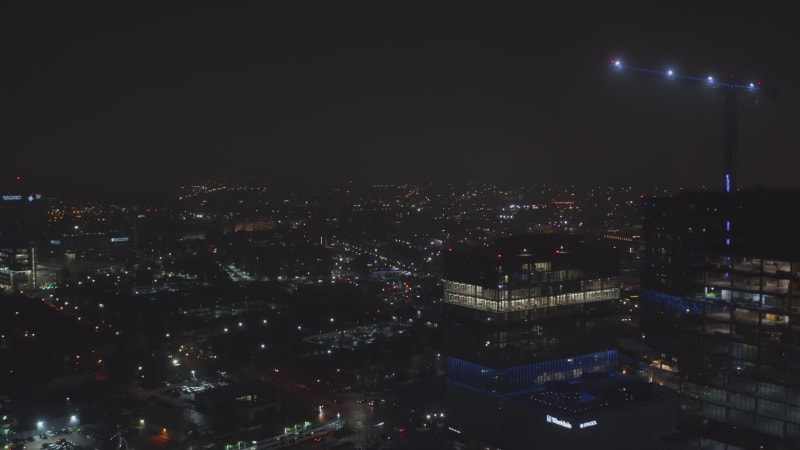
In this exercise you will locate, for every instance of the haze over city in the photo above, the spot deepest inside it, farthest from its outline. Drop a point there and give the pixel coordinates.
(120, 98)
(368, 225)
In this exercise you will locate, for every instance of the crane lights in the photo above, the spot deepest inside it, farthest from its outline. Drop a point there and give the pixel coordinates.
(730, 86)
(671, 74)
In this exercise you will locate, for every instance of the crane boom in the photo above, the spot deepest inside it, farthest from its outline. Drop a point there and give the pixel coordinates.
(730, 85)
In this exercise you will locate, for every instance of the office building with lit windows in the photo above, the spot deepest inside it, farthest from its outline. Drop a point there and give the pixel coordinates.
(531, 332)
(23, 222)
(721, 297)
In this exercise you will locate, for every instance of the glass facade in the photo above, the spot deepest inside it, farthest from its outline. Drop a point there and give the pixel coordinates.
(527, 298)
(532, 310)
(721, 284)
(520, 379)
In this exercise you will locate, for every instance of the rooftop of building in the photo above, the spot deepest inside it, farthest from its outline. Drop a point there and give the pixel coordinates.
(592, 393)
(536, 244)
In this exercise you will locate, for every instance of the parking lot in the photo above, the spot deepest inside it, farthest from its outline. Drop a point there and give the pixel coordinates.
(69, 439)
(192, 387)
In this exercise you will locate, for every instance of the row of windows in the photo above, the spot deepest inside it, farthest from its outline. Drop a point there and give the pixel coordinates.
(528, 376)
(556, 275)
(529, 303)
(562, 288)
(744, 402)
(742, 263)
(786, 395)
(763, 423)
(543, 266)
(528, 291)
(710, 293)
(771, 286)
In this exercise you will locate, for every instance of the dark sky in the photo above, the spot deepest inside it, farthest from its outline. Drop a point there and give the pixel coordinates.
(123, 97)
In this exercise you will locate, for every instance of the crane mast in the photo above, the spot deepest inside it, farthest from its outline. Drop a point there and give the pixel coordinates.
(731, 141)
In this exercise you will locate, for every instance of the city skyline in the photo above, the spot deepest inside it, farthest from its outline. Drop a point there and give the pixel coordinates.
(431, 316)
(113, 100)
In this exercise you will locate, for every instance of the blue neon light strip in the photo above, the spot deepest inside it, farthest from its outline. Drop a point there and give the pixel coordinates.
(527, 378)
(670, 302)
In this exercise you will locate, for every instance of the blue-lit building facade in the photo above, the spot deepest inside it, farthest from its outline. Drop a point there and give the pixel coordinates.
(721, 297)
(531, 334)
(523, 302)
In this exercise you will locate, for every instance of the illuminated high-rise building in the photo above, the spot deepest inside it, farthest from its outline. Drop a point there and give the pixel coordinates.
(721, 296)
(531, 333)
(23, 221)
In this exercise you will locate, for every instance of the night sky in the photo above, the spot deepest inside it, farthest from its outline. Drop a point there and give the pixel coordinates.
(128, 98)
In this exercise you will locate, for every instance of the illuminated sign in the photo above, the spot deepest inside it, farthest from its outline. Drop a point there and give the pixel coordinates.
(12, 197)
(559, 422)
(567, 424)
(55, 242)
(119, 239)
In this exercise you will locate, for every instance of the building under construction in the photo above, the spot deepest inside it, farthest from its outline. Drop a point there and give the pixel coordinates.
(721, 296)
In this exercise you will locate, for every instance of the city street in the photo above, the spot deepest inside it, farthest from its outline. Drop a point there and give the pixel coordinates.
(391, 420)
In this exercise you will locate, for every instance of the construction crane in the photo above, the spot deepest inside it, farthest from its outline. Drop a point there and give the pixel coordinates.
(731, 87)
